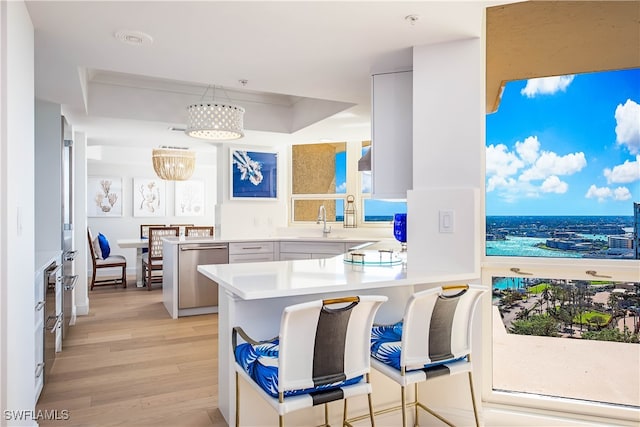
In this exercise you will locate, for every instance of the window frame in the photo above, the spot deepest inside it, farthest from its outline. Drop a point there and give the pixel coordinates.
(354, 187)
(560, 268)
(557, 268)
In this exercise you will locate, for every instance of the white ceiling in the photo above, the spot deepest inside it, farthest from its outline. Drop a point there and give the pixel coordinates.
(309, 59)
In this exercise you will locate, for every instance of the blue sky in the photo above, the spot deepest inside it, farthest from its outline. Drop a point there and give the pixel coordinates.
(567, 145)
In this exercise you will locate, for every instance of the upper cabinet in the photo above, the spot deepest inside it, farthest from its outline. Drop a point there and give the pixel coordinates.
(392, 135)
(48, 176)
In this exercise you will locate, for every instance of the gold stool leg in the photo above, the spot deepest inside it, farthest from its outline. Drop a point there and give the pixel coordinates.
(403, 399)
(373, 421)
(415, 420)
(473, 400)
(344, 414)
(326, 414)
(237, 401)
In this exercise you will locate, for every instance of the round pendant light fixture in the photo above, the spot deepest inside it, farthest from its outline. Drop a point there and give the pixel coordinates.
(173, 163)
(215, 121)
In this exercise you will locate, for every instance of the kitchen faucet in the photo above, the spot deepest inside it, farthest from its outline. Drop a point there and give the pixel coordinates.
(322, 216)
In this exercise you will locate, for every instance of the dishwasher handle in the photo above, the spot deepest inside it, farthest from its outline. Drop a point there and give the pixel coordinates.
(201, 248)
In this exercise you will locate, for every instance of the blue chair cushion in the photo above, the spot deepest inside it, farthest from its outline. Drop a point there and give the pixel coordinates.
(104, 246)
(260, 362)
(386, 346)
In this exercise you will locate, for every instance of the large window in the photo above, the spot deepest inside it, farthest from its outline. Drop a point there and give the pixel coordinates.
(325, 174)
(562, 214)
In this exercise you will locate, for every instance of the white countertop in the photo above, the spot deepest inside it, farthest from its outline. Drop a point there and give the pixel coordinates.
(183, 239)
(314, 276)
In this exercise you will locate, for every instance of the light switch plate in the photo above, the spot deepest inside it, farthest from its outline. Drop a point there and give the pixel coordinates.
(446, 221)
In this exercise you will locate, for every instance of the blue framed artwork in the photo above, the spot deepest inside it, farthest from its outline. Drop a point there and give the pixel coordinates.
(254, 175)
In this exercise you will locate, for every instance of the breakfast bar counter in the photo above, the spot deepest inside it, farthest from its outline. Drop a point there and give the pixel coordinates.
(253, 295)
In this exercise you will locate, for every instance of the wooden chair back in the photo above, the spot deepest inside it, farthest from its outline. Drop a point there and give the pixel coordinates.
(144, 229)
(155, 240)
(181, 228)
(199, 231)
(92, 251)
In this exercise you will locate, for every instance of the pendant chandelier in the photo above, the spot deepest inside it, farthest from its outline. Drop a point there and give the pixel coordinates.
(173, 163)
(215, 121)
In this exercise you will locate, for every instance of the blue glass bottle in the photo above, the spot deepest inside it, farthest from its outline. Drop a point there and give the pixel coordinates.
(400, 229)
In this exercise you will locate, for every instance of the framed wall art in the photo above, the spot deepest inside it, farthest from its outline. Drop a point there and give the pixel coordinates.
(189, 198)
(149, 197)
(104, 196)
(254, 175)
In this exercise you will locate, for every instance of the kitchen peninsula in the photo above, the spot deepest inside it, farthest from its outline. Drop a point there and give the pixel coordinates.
(253, 296)
(186, 293)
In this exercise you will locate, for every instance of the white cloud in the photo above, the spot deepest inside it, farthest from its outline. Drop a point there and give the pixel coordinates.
(527, 172)
(366, 182)
(549, 163)
(604, 193)
(502, 162)
(601, 193)
(341, 187)
(546, 85)
(528, 150)
(497, 181)
(553, 184)
(622, 193)
(628, 126)
(624, 173)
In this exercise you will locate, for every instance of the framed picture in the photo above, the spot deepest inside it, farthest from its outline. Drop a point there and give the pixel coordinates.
(254, 175)
(189, 198)
(149, 197)
(104, 196)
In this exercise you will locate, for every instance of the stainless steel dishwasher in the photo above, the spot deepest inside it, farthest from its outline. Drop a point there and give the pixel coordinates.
(195, 290)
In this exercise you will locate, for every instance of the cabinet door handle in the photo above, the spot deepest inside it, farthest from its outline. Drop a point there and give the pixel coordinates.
(53, 328)
(252, 247)
(200, 248)
(39, 369)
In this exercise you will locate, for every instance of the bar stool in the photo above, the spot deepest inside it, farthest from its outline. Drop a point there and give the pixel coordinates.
(321, 355)
(432, 340)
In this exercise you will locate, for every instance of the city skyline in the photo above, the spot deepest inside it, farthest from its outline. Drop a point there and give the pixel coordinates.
(565, 145)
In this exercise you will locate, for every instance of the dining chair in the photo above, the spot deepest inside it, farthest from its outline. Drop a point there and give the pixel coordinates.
(144, 233)
(199, 230)
(182, 228)
(320, 355)
(152, 261)
(109, 261)
(433, 340)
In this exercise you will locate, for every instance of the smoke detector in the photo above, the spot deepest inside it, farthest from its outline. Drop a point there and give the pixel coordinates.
(135, 38)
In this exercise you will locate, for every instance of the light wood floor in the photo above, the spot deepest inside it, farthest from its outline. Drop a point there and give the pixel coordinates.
(128, 363)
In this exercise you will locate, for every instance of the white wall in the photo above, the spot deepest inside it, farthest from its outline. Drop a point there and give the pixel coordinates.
(448, 154)
(129, 163)
(17, 351)
(248, 219)
(448, 148)
(80, 293)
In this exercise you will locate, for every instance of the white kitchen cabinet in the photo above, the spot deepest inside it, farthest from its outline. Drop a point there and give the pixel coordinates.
(47, 324)
(251, 252)
(38, 332)
(391, 135)
(290, 250)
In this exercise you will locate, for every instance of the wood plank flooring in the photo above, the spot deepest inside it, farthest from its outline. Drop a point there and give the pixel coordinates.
(128, 363)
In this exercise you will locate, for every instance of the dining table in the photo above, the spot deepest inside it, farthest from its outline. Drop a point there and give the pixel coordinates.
(139, 244)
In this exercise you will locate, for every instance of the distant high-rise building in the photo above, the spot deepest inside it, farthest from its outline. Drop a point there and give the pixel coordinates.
(636, 229)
